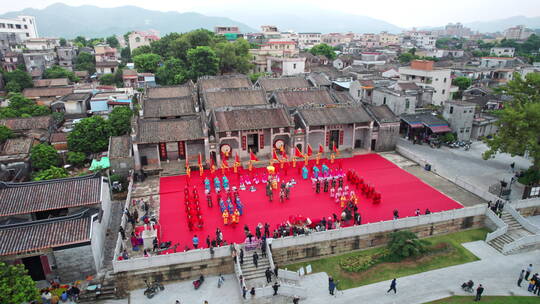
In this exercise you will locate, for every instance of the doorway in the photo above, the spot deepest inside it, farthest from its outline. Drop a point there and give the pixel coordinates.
(34, 267)
(253, 142)
(334, 140)
(373, 144)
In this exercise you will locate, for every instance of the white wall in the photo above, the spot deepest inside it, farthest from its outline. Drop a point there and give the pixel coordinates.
(99, 228)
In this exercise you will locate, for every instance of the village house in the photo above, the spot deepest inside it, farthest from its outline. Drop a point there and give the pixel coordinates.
(37, 127)
(66, 56)
(133, 79)
(484, 125)
(15, 158)
(460, 115)
(106, 59)
(362, 90)
(308, 40)
(496, 62)
(273, 51)
(37, 62)
(170, 102)
(74, 103)
(420, 126)
(49, 83)
(120, 155)
(502, 51)
(55, 228)
(424, 74)
(249, 129)
(228, 98)
(402, 97)
(104, 102)
(208, 83)
(319, 80)
(280, 66)
(46, 95)
(345, 127)
(11, 60)
(59, 141)
(385, 128)
(137, 39)
(270, 85)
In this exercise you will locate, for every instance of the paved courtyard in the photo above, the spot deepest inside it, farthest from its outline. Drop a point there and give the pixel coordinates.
(469, 165)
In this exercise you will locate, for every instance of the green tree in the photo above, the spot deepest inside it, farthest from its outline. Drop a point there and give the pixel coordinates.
(63, 42)
(519, 120)
(323, 49)
(59, 72)
(163, 46)
(407, 57)
(179, 48)
(90, 135)
(125, 54)
(255, 76)
(43, 156)
(20, 106)
(16, 286)
(145, 49)
(51, 173)
(17, 80)
(76, 158)
(112, 41)
(5, 133)
(233, 56)
(404, 244)
(462, 83)
(202, 61)
(200, 37)
(81, 40)
(171, 72)
(85, 62)
(120, 121)
(147, 63)
(107, 79)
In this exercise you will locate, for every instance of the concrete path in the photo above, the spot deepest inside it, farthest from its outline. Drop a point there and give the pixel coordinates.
(469, 165)
(496, 272)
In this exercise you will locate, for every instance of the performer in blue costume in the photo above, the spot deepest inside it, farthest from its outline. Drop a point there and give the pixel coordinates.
(225, 182)
(230, 205)
(207, 185)
(316, 172)
(239, 205)
(217, 184)
(221, 205)
(325, 170)
(305, 172)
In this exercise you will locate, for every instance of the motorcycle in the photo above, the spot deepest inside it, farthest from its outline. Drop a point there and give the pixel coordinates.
(152, 290)
(197, 283)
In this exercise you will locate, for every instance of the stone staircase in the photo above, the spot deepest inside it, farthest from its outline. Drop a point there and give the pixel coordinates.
(254, 276)
(515, 232)
(106, 291)
(173, 168)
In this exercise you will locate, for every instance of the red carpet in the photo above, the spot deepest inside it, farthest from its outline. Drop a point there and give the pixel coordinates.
(400, 190)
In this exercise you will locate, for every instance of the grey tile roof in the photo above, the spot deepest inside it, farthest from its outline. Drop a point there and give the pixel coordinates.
(223, 82)
(30, 123)
(23, 198)
(167, 130)
(168, 107)
(120, 146)
(45, 234)
(295, 98)
(19, 145)
(233, 98)
(322, 116)
(170, 91)
(254, 118)
(272, 84)
(382, 114)
(47, 92)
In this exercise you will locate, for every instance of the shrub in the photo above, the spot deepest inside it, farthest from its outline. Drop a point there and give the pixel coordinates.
(530, 177)
(43, 156)
(51, 173)
(358, 263)
(76, 158)
(404, 244)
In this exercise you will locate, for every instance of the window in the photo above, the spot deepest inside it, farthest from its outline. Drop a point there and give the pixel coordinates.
(384, 100)
(2, 25)
(294, 66)
(407, 103)
(461, 130)
(467, 130)
(18, 26)
(10, 26)
(27, 35)
(451, 110)
(443, 91)
(445, 80)
(137, 39)
(465, 111)
(25, 27)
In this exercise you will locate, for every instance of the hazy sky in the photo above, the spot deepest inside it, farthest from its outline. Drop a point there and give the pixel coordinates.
(399, 12)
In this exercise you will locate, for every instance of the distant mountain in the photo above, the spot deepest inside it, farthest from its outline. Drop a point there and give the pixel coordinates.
(60, 20)
(306, 19)
(500, 25)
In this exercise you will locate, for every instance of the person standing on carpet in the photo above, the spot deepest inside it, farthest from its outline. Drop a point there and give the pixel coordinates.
(258, 231)
(318, 186)
(396, 214)
(266, 230)
(256, 259)
(393, 285)
(208, 241)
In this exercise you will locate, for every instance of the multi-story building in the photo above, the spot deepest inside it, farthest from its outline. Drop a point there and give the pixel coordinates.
(386, 39)
(402, 98)
(37, 62)
(456, 30)
(9, 42)
(275, 49)
(106, 59)
(424, 74)
(139, 38)
(496, 62)
(518, 33)
(23, 26)
(271, 32)
(11, 60)
(422, 39)
(66, 56)
(222, 30)
(308, 40)
(335, 39)
(502, 51)
(40, 44)
(460, 115)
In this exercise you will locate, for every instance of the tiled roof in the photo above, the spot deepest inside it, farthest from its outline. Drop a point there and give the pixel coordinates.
(320, 79)
(47, 92)
(272, 84)
(408, 86)
(170, 91)
(382, 114)
(19, 145)
(223, 82)
(167, 130)
(427, 119)
(77, 96)
(106, 64)
(81, 73)
(58, 137)
(44, 234)
(246, 119)
(168, 107)
(29, 123)
(120, 146)
(295, 98)
(234, 97)
(23, 198)
(334, 115)
(55, 82)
